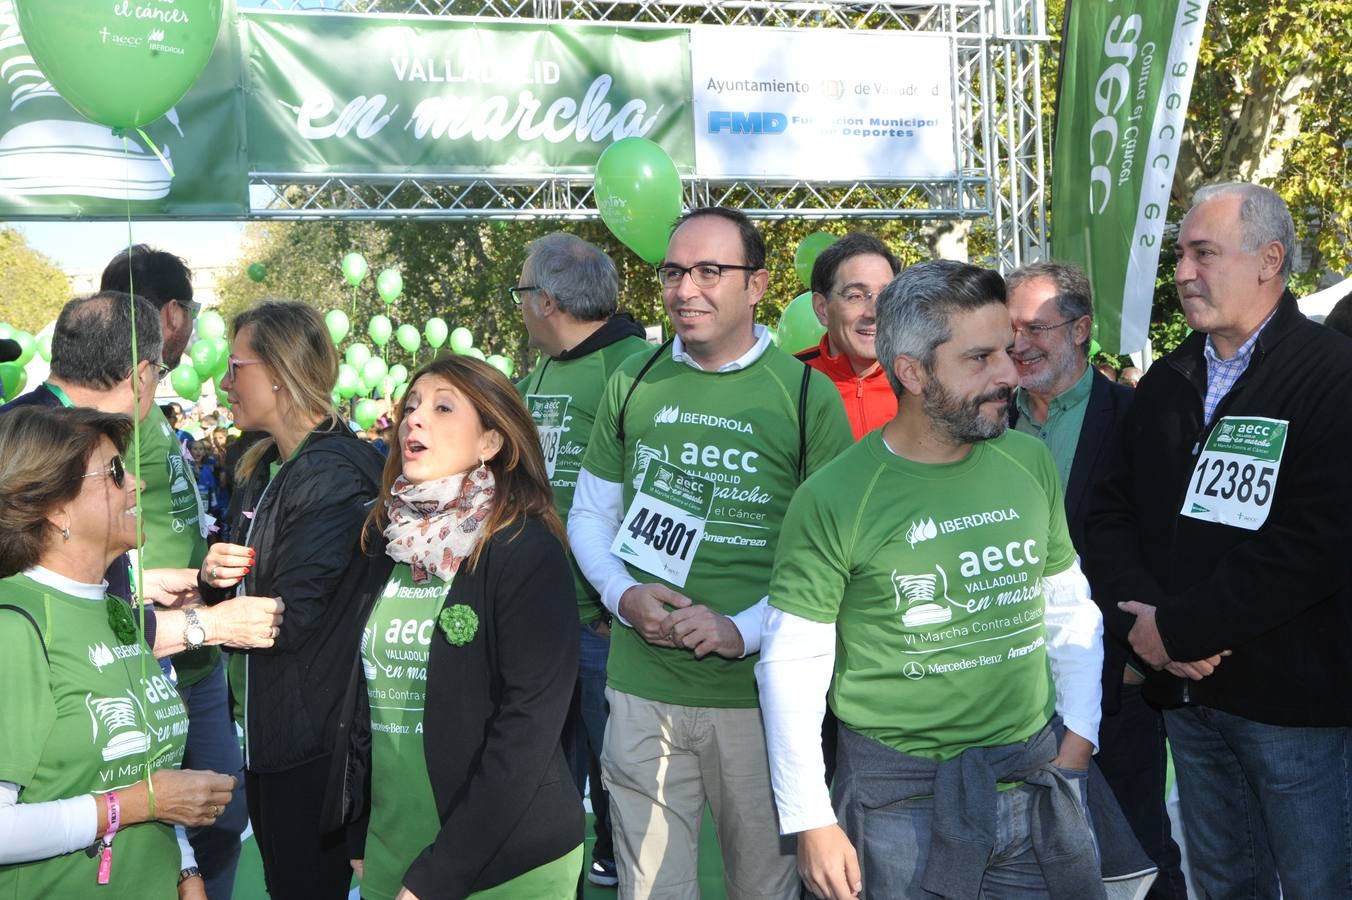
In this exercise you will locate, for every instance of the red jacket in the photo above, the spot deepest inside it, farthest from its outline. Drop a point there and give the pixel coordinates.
(869, 401)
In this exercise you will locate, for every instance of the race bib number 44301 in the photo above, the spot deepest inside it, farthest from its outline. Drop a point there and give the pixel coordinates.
(661, 530)
(1236, 474)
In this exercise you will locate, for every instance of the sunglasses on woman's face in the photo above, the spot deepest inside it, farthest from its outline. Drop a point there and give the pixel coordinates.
(115, 470)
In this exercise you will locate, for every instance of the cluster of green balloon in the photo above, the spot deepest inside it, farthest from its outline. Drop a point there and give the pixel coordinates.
(638, 194)
(257, 272)
(209, 356)
(799, 328)
(15, 374)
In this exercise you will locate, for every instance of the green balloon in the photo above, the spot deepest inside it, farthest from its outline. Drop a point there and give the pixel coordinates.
(348, 383)
(14, 379)
(386, 386)
(389, 284)
(222, 399)
(436, 331)
(638, 193)
(257, 272)
(116, 69)
(502, 364)
(400, 391)
(45, 346)
(366, 413)
(372, 372)
(7, 332)
(354, 268)
(205, 356)
(28, 347)
(187, 383)
(461, 340)
(476, 353)
(408, 338)
(210, 325)
(809, 248)
(1094, 348)
(357, 355)
(379, 328)
(399, 372)
(222, 358)
(799, 327)
(338, 324)
(774, 334)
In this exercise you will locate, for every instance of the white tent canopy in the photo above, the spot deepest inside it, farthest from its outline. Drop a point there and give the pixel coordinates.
(1320, 304)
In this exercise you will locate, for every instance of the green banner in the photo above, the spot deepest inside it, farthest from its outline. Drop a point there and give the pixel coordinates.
(56, 163)
(1126, 73)
(347, 94)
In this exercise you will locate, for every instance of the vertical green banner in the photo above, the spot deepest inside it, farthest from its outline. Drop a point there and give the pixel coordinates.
(340, 94)
(1126, 73)
(54, 163)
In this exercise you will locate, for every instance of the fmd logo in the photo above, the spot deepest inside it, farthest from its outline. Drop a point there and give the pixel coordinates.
(736, 122)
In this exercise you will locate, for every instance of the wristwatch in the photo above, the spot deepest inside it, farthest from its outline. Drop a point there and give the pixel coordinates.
(190, 872)
(194, 635)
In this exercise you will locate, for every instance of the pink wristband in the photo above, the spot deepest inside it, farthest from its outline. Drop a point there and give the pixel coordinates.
(114, 822)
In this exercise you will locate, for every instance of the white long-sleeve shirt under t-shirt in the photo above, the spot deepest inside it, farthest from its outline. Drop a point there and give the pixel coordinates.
(598, 509)
(797, 659)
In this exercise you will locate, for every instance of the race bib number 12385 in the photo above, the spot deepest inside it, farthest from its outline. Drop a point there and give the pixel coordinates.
(1236, 473)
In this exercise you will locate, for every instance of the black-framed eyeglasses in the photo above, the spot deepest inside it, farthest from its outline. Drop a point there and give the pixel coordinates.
(856, 296)
(1038, 328)
(704, 275)
(520, 289)
(161, 372)
(191, 307)
(114, 470)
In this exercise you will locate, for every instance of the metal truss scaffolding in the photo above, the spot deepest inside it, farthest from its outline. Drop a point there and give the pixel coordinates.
(996, 67)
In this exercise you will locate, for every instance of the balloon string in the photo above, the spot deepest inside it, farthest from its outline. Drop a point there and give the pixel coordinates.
(156, 150)
(138, 581)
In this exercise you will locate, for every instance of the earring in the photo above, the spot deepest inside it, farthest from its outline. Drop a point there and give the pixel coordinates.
(482, 471)
(65, 533)
(276, 387)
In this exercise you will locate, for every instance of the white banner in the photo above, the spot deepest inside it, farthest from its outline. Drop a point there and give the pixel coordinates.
(822, 104)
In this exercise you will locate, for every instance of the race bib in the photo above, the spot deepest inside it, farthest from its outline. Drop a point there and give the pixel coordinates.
(661, 531)
(1236, 474)
(549, 412)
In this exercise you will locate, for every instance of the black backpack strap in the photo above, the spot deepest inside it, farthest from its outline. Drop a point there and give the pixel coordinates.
(31, 621)
(652, 361)
(802, 424)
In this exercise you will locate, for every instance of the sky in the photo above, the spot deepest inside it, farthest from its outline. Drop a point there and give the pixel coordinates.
(84, 246)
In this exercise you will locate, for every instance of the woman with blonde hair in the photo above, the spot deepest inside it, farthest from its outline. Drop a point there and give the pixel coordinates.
(468, 659)
(299, 500)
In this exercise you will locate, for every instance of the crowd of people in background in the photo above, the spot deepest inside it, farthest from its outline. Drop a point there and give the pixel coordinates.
(917, 612)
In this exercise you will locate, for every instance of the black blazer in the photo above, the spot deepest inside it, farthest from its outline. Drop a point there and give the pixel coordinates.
(1107, 407)
(494, 720)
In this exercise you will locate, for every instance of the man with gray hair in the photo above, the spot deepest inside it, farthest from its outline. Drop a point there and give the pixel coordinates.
(568, 293)
(1077, 412)
(1217, 547)
(934, 556)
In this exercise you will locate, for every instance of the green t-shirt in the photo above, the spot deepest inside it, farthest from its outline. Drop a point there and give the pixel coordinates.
(85, 722)
(394, 649)
(740, 430)
(932, 575)
(173, 523)
(563, 396)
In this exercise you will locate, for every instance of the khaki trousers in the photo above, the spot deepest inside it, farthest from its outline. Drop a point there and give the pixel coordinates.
(661, 763)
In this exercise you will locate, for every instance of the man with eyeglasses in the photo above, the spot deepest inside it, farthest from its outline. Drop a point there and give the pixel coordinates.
(846, 280)
(568, 294)
(696, 451)
(175, 523)
(1077, 413)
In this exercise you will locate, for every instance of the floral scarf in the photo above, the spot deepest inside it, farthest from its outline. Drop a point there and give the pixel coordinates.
(434, 526)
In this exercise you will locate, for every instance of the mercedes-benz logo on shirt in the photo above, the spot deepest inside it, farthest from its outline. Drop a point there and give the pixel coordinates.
(913, 671)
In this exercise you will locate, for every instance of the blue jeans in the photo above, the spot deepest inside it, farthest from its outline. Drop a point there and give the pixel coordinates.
(1263, 805)
(213, 745)
(585, 731)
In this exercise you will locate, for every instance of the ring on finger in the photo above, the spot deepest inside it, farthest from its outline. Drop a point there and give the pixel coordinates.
(212, 574)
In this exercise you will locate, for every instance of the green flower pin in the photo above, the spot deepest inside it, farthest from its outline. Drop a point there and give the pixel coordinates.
(120, 620)
(459, 623)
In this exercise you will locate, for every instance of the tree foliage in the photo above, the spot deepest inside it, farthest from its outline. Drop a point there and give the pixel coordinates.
(33, 289)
